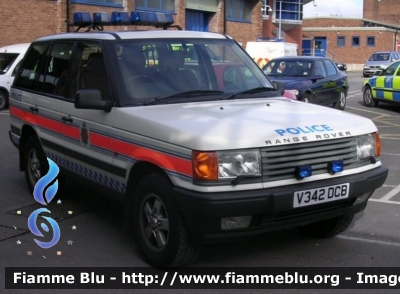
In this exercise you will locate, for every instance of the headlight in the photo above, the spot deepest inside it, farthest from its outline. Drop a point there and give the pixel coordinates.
(295, 92)
(368, 145)
(235, 163)
(366, 67)
(225, 164)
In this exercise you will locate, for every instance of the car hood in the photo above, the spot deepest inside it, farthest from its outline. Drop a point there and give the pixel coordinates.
(292, 83)
(377, 63)
(244, 123)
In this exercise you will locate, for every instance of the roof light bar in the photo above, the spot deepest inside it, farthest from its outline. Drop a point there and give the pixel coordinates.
(138, 18)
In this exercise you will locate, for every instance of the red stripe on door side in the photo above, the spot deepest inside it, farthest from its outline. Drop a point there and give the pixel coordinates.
(100, 141)
(38, 120)
(71, 131)
(163, 160)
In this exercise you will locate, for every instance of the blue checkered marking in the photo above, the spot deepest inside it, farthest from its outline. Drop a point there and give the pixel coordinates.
(88, 173)
(372, 82)
(396, 96)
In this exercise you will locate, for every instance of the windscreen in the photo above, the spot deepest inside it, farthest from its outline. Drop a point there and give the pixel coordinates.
(153, 69)
(6, 61)
(290, 68)
(379, 57)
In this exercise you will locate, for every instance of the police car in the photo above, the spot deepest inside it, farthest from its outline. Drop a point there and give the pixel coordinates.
(194, 157)
(384, 87)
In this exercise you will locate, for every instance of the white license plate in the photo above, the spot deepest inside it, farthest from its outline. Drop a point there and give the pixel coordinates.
(321, 195)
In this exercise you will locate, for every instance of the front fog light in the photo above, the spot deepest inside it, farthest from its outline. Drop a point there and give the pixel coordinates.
(235, 222)
(335, 167)
(366, 146)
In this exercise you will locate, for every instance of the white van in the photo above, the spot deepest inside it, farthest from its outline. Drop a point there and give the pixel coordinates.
(262, 52)
(9, 58)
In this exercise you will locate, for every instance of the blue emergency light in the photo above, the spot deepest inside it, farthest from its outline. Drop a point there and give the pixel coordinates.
(303, 171)
(82, 19)
(120, 18)
(335, 166)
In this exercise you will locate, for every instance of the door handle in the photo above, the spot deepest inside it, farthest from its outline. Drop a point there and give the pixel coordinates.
(67, 119)
(34, 109)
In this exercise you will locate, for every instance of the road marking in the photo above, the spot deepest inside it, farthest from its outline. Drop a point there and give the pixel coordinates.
(4, 113)
(390, 186)
(368, 240)
(358, 91)
(384, 201)
(391, 193)
(391, 154)
(368, 111)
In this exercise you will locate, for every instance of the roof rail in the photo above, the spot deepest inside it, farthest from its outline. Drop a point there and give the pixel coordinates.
(122, 18)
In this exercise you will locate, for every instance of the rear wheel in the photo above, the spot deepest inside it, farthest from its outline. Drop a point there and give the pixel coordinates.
(327, 228)
(341, 104)
(368, 98)
(3, 100)
(36, 164)
(159, 230)
(307, 98)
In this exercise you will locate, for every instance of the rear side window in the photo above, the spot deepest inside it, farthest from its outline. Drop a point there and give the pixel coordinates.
(330, 67)
(6, 61)
(29, 72)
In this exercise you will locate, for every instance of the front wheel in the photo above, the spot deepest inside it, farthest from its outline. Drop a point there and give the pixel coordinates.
(327, 228)
(368, 98)
(307, 98)
(341, 104)
(159, 230)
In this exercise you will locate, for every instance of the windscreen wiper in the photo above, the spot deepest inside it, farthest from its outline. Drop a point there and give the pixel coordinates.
(185, 93)
(253, 91)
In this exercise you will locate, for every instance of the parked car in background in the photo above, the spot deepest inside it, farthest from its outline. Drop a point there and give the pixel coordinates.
(383, 88)
(9, 58)
(312, 79)
(378, 59)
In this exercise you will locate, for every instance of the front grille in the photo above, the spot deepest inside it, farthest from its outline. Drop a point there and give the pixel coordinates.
(374, 66)
(302, 214)
(280, 162)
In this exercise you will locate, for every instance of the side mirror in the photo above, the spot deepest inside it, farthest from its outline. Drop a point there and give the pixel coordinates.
(91, 99)
(341, 66)
(279, 87)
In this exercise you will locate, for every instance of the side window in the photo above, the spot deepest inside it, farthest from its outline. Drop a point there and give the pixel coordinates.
(56, 70)
(331, 68)
(390, 70)
(29, 77)
(89, 71)
(319, 69)
(269, 67)
(16, 69)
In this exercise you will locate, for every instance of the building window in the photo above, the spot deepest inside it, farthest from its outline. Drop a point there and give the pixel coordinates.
(156, 5)
(114, 3)
(289, 9)
(341, 41)
(371, 41)
(355, 41)
(239, 10)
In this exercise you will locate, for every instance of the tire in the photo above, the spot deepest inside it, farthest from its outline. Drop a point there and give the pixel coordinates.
(307, 98)
(368, 98)
(3, 100)
(35, 162)
(327, 228)
(341, 104)
(159, 229)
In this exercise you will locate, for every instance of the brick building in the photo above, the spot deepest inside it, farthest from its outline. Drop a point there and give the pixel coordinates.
(245, 20)
(353, 40)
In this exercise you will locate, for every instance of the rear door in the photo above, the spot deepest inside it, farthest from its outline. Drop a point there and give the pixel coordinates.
(387, 82)
(333, 86)
(320, 81)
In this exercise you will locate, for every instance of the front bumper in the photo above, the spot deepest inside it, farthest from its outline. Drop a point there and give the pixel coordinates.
(370, 71)
(272, 208)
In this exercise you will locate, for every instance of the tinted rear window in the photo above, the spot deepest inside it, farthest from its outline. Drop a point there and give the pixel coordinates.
(6, 61)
